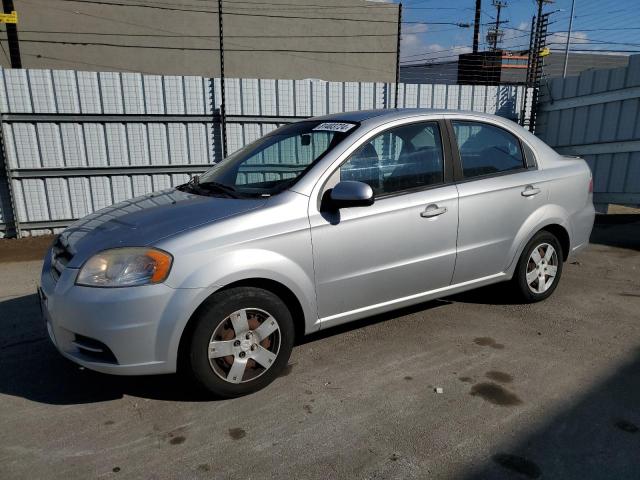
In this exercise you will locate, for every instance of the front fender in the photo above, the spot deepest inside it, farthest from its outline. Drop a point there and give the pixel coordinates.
(542, 217)
(253, 263)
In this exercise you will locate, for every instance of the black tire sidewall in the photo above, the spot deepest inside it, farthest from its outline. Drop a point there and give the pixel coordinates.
(521, 271)
(212, 313)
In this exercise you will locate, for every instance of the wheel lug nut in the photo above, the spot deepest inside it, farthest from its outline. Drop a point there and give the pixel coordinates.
(236, 343)
(253, 347)
(248, 336)
(242, 355)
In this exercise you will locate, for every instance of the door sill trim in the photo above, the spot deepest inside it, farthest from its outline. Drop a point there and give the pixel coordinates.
(350, 315)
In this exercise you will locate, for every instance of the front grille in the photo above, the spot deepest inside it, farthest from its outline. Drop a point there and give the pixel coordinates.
(60, 257)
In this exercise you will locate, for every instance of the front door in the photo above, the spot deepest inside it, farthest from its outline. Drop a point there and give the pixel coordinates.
(370, 258)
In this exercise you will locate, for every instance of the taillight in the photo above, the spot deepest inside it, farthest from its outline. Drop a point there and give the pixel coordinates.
(591, 185)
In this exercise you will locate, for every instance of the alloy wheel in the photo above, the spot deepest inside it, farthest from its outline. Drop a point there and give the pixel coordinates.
(244, 345)
(542, 268)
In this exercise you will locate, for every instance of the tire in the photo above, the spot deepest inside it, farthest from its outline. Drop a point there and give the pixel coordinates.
(249, 334)
(535, 280)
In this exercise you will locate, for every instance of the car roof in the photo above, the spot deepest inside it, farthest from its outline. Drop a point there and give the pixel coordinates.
(383, 115)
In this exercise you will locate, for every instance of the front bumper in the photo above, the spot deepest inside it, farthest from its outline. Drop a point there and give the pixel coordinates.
(139, 326)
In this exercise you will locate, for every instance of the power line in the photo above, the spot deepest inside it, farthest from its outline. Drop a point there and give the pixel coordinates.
(264, 15)
(158, 47)
(323, 60)
(452, 49)
(371, 6)
(594, 41)
(578, 50)
(102, 17)
(205, 36)
(601, 29)
(120, 4)
(457, 24)
(76, 61)
(4, 52)
(454, 53)
(583, 40)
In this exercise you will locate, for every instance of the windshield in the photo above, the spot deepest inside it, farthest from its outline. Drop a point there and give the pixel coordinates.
(274, 162)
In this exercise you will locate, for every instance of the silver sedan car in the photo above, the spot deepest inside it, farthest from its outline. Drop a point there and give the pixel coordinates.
(318, 223)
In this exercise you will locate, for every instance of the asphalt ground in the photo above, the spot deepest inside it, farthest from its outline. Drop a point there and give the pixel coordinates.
(550, 390)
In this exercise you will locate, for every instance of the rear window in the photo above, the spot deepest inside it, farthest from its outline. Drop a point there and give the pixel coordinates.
(486, 149)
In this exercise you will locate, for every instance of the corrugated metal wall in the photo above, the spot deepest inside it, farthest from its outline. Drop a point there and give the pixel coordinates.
(596, 115)
(76, 142)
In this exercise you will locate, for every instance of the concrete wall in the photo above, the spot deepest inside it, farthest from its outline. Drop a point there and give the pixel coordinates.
(180, 37)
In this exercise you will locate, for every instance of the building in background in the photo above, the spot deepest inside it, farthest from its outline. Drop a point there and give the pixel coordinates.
(504, 67)
(330, 40)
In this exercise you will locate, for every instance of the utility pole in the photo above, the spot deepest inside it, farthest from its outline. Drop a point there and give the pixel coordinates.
(536, 63)
(223, 111)
(12, 36)
(540, 38)
(495, 34)
(398, 53)
(540, 5)
(476, 26)
(566, 50)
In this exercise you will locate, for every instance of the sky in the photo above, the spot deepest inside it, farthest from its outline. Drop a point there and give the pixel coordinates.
(598, 25)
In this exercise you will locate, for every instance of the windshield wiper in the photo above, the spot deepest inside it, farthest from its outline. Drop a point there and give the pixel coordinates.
(215, 186)
(203, 188)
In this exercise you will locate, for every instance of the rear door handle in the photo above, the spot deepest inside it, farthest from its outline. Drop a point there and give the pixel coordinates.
(433, 211)
(530, 191)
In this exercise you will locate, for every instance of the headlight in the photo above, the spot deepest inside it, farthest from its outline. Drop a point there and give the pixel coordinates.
(124, 267)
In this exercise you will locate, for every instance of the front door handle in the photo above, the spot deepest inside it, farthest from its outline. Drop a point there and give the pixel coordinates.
(530, 191)
(433, 211)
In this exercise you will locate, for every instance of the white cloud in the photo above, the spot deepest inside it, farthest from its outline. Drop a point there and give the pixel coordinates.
(559, 40)
(517, 36)
(411, 42)
(415, 50)
(415, 29)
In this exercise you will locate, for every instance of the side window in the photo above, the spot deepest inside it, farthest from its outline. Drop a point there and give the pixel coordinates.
(530, 156)
(399, 159)
(485, 149)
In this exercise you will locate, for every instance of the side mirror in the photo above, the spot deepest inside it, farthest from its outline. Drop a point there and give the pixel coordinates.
(349, 194)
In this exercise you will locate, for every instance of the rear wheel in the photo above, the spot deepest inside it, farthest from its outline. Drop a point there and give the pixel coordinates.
(241, 342)
(539, 268)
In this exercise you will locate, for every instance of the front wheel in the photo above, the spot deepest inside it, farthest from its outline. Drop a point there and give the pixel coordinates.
(539, 268)
(241, 342)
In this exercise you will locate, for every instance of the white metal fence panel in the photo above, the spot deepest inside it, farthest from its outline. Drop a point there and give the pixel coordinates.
(76, 142)
(596, 115)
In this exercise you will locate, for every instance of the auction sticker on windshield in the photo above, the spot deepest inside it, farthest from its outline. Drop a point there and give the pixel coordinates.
(335, 127)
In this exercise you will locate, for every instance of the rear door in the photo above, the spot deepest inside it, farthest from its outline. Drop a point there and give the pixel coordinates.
(499, 188)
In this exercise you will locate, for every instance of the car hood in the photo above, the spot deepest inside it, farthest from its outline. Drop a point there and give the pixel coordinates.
(147, 219)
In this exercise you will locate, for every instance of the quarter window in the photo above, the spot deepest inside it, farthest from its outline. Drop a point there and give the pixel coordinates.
(401, 158)
(485, 149)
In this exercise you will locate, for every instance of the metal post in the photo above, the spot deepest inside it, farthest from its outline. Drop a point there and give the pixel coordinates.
(476, 26)
(7, 200)
(12, 37)
(566, 50)
(223, 111)
(398, 53)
